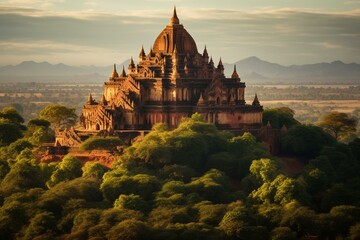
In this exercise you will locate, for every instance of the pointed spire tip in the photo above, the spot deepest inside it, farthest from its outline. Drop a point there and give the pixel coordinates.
(174, 18)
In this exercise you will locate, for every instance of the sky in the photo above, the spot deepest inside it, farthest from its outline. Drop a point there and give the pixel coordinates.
(103, 32)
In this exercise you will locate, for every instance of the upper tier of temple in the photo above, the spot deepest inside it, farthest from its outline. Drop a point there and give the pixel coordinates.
(174, 34)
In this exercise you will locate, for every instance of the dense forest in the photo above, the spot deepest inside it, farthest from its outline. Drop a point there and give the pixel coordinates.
(192, 182)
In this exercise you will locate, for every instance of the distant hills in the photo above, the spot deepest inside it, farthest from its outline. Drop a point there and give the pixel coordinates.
(251, 70)
(255, 70)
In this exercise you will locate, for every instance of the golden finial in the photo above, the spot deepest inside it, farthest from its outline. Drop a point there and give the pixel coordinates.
(174, 18)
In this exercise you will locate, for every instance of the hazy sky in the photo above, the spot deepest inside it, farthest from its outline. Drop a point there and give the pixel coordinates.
(94, 32)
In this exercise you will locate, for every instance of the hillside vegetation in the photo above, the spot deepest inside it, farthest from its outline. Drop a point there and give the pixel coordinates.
(193, 182)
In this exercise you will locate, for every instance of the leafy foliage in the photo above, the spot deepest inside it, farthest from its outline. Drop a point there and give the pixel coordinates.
(339, 125)
(305, 141)
(278, 117)
(69, 168)
(59, 116)
(193, 182)
(107, 143)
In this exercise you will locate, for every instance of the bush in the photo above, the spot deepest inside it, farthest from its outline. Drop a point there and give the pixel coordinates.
(101, 143)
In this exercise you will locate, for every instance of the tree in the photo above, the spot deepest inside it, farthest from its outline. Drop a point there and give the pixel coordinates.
(245, 149)
(9, 132)
(355, 232)
(282, 233)
(83, 221)
(37, 122)
(240, 223)
(42, 135)
(316, 180)
(22, 176)
(305, 141)
(279, 117)
(40, 224)
(345, 216)
(106, 143)
(69, 168)
(12, 115)
(140, 184)
(177, 173)
(355, 148)
(12, 218)
(300, 219)
(94, 169)
(133, 202)
(39, 131)
(211, 213)
(129, 230)
(163, 216)
(59, 116)
(339, 125)
(265, 169)
(15, 148)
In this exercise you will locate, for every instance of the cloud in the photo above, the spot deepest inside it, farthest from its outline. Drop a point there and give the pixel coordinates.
(45, 47)
(42, 4)
(352, 2)
(274, 34)
(92, 4)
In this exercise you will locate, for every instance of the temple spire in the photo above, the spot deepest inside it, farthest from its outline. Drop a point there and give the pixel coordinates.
(211, 62)
(131, 64)
(206, 55)
(114, 74)
(103, 100)
(221, 66)
(123, 73)
(151, 51)
(235, 74)
(174, 19)
(142, 53)
(256, 101)
(90, 100)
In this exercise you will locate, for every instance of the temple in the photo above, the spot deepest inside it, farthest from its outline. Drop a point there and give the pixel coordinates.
(173, 80)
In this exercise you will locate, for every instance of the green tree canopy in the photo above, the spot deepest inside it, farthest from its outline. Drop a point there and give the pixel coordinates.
(338, 124)
(24, 174)
(94, 169)
(69, 168)
(355, 232)
(132, 201)
(12, 115)
(11, 127)
(59, 116)
(129, 230)
(105, 143)
(9, 132)
(39, 225)
(37, 122)
(305, 141)
(279, 117)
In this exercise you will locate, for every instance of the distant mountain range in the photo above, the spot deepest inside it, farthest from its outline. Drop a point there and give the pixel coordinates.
(255, 69)
(251, 70)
